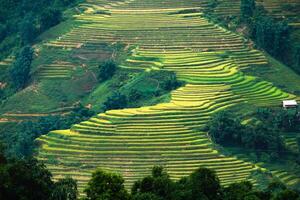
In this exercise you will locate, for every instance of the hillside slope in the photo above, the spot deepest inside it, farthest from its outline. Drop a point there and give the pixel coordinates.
(130, 141)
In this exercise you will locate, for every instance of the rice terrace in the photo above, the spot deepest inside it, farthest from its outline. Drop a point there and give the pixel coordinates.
(126, 85)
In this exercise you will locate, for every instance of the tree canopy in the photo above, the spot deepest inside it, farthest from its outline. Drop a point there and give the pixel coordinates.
(20, 70)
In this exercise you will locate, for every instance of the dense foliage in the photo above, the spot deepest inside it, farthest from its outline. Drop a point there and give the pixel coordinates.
(20, 141)
(203, 184)
(20, 70)
(227, 129)
(285, 120)
(271, 35)
(247, 9)
(105, 185)
(21, 21)
(107, 70)
(160, 83)
(28, 179)
(116, 101)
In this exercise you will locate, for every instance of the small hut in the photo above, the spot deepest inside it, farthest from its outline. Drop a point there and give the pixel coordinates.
(289, 104)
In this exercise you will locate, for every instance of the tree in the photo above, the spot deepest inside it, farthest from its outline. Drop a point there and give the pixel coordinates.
(170, 82)
(238, 191)
(25, 179)
(115, 101)
(65, 189)
(2, 93)
(298, 142)
(247, 9)
(225, 128)
(20, 70)
(270, 35)
(27, 29)
(159, 184)
(205, 184)
(107, 70)
(287, 195)
(145, 196)
(50, 17)
(281, 39)
(296, 57)
(3, 31)
(106, 186)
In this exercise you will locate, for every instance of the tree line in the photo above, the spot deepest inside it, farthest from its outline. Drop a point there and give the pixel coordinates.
(263, 136)
(270, 34)
(29, 179)
(21, 21)
(20, 139)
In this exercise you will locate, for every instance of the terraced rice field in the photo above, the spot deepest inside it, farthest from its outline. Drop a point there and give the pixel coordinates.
(6, 62)
(56, 70)
(277, 8)
(131, 141)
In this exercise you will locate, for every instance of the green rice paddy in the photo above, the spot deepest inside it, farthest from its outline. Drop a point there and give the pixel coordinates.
(130, 141)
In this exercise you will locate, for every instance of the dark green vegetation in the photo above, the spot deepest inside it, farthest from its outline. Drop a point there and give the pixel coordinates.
(20, 70)
(107, 70)
(263, 134)
(144, 87)
(105, 185)
(272, 34)
(65, 70)
(22, 21)
(247, 9)
(20, 138)
(29, 179)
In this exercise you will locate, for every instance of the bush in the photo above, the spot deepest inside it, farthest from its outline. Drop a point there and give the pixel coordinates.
(107, 70)
(170, 82)
(134, 95)
(115, 101)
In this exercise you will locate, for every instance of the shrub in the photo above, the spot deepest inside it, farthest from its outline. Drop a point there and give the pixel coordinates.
(170, 82)
(107, 70)
(134, 95)
(115, 101)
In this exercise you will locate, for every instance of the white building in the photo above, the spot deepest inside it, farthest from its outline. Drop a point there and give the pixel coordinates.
(289, 104)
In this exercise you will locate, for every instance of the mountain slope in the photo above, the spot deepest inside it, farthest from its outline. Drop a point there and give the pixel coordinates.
(207, 57)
